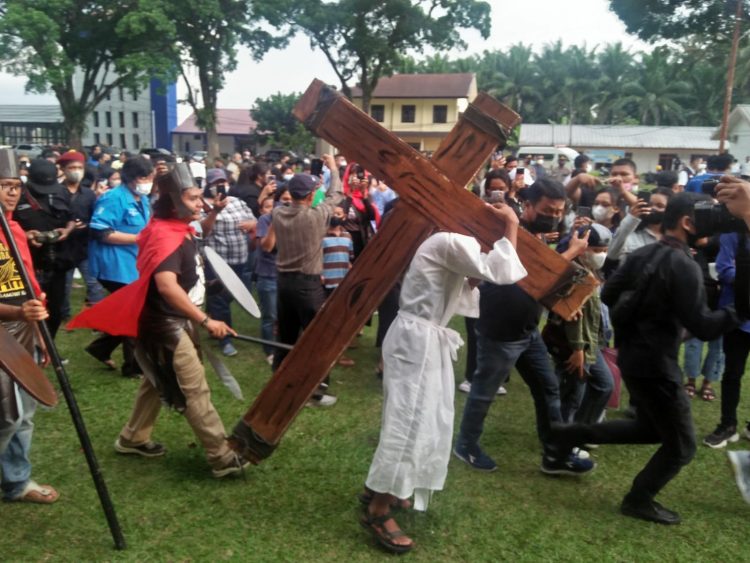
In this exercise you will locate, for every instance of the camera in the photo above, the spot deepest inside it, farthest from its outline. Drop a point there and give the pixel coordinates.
(711, 218)
(47, 237)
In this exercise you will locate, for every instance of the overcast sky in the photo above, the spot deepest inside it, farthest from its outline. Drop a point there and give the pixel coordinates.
(292, 69)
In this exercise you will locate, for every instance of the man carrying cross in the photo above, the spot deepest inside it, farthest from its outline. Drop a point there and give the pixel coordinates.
(417, 426)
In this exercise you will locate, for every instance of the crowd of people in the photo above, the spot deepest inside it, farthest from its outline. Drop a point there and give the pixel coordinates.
(135, 230)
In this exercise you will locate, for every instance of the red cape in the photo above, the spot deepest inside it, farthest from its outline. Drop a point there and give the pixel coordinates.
(356, 195)
(118, 314)
(23, 247)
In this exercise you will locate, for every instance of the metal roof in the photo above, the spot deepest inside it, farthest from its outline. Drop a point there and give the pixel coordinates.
(228, 122)
(30, 114)
(449, 85)
(618, 136)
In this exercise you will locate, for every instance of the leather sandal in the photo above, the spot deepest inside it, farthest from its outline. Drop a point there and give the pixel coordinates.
(707, 393)
(376, 526)
(690, 389)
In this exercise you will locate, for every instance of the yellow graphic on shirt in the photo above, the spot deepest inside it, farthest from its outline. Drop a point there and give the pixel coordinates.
(11, 285)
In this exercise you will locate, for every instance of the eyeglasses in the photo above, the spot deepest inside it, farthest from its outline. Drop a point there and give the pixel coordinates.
(10, 186)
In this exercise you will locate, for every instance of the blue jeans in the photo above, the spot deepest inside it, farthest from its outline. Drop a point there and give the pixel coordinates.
(94, 290)
(713, 365)
(15, 445)
(494, 362)
(266, 287)
(218, 305)
(584, 400)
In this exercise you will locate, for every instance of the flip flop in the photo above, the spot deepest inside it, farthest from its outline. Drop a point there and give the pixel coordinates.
(375, 525)
(37, 494)
(690, 389)
(708, 394)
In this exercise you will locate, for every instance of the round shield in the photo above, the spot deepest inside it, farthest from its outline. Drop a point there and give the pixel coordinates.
(21, 367)
(232, 282)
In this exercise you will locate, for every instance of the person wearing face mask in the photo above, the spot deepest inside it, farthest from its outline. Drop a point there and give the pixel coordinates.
(226, 228)
(360, 211)
(652, 296)
(507, 336)
(82, 200)
(119, 215)
(642, 225)
(716, 166)
(606, 211)
(537, 167)
(687, 172)
(586, 382)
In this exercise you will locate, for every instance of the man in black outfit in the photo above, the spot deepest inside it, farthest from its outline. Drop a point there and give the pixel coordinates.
(649, 340)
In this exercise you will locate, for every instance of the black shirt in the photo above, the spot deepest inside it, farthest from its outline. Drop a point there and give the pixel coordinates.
(82, 207)
(249, 194)
(182, 262)
(674, 298)
(506, 312)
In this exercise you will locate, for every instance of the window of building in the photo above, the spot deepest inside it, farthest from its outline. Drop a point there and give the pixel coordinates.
(122, 119)
(408, 113)
(121, 92)
(109, 139)
(108, 96)
(197, 137)
(97, 139)
(108, 118)
(417, 146)
(123, 142)
(136, 141)
(440, 114)
(666, 161)
(378, 113)
(135, 95)
(135, 119)
(96, 119)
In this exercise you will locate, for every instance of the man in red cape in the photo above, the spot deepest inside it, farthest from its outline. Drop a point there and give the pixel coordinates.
(162, 310)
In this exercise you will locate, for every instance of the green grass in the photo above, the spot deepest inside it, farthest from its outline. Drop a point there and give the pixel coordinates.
(300, 505)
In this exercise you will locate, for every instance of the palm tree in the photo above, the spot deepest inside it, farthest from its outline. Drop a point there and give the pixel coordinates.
(511, 77)
(617, 69)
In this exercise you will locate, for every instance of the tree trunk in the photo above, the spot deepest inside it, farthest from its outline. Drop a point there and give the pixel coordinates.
(212, 143)
(74, 130)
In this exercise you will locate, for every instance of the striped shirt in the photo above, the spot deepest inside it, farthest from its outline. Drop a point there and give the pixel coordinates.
(338, 252)
(300, 229)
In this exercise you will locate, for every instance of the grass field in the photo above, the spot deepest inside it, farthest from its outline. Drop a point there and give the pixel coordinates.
(300, 505)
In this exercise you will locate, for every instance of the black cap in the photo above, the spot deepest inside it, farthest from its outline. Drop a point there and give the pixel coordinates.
(301, 185)
(43, 176)
(8, 164)
(172, 185)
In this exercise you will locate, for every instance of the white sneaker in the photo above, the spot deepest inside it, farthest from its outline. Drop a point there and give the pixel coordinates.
(502, 390)
(465, 386)
(580, 454)
(322, 401)
(740, 461)
(269, 359)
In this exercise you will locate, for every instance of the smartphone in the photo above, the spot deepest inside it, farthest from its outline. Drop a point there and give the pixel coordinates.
(585, 212)
(520, 171)
(221, 191)
(316, 167)
(496, 196)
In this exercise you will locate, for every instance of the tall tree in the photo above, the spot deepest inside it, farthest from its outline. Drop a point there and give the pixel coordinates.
(364, 39)
(277, 126)
(512, 77)
(81, 50)
(208, 34)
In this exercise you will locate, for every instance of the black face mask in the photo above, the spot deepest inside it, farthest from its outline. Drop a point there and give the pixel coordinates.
(337, 222)
(544, 224)
(653, 218)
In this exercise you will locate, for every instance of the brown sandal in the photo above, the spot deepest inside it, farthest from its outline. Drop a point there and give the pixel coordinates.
(376, 526)
(37, 494)
(707, 393)
(396, 504)
(690, 389)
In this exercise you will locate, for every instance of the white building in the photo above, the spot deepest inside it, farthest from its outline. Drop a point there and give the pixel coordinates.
(738, 133)
(647, 146)
(123, 120)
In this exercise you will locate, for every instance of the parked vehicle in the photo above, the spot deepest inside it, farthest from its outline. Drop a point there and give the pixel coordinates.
(550, 154)
(153, 152)
(30, 150)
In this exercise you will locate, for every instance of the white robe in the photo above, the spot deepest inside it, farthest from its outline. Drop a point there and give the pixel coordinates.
(418, 350)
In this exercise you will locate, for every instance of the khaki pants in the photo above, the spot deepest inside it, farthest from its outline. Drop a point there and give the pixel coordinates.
(199, 412)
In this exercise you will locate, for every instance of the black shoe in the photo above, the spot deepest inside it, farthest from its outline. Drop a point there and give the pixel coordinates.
(722, 436)
(149, 449)
(649, 510)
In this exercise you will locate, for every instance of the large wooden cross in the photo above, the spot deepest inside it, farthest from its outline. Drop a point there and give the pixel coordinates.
(432, 197)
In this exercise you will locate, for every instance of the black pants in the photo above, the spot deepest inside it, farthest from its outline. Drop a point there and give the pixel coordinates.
(53, 285)
(471, 348)
(300, 297)
(663, 417)
(105, 344)
(387, 312)
(736, 349)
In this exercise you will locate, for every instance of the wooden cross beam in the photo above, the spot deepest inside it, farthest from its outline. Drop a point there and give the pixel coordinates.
(432, 196)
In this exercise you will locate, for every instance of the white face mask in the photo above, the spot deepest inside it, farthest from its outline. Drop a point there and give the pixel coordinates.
(588, 168)
(144, 189)
(702, 166)
(288, 177)
(74, 176)
(595, 261)
(540, 162)
(600, 213)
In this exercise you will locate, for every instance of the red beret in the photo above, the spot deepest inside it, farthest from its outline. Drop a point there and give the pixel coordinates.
(71, 156)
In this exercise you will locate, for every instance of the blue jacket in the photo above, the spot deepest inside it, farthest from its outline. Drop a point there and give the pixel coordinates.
(726, 270)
